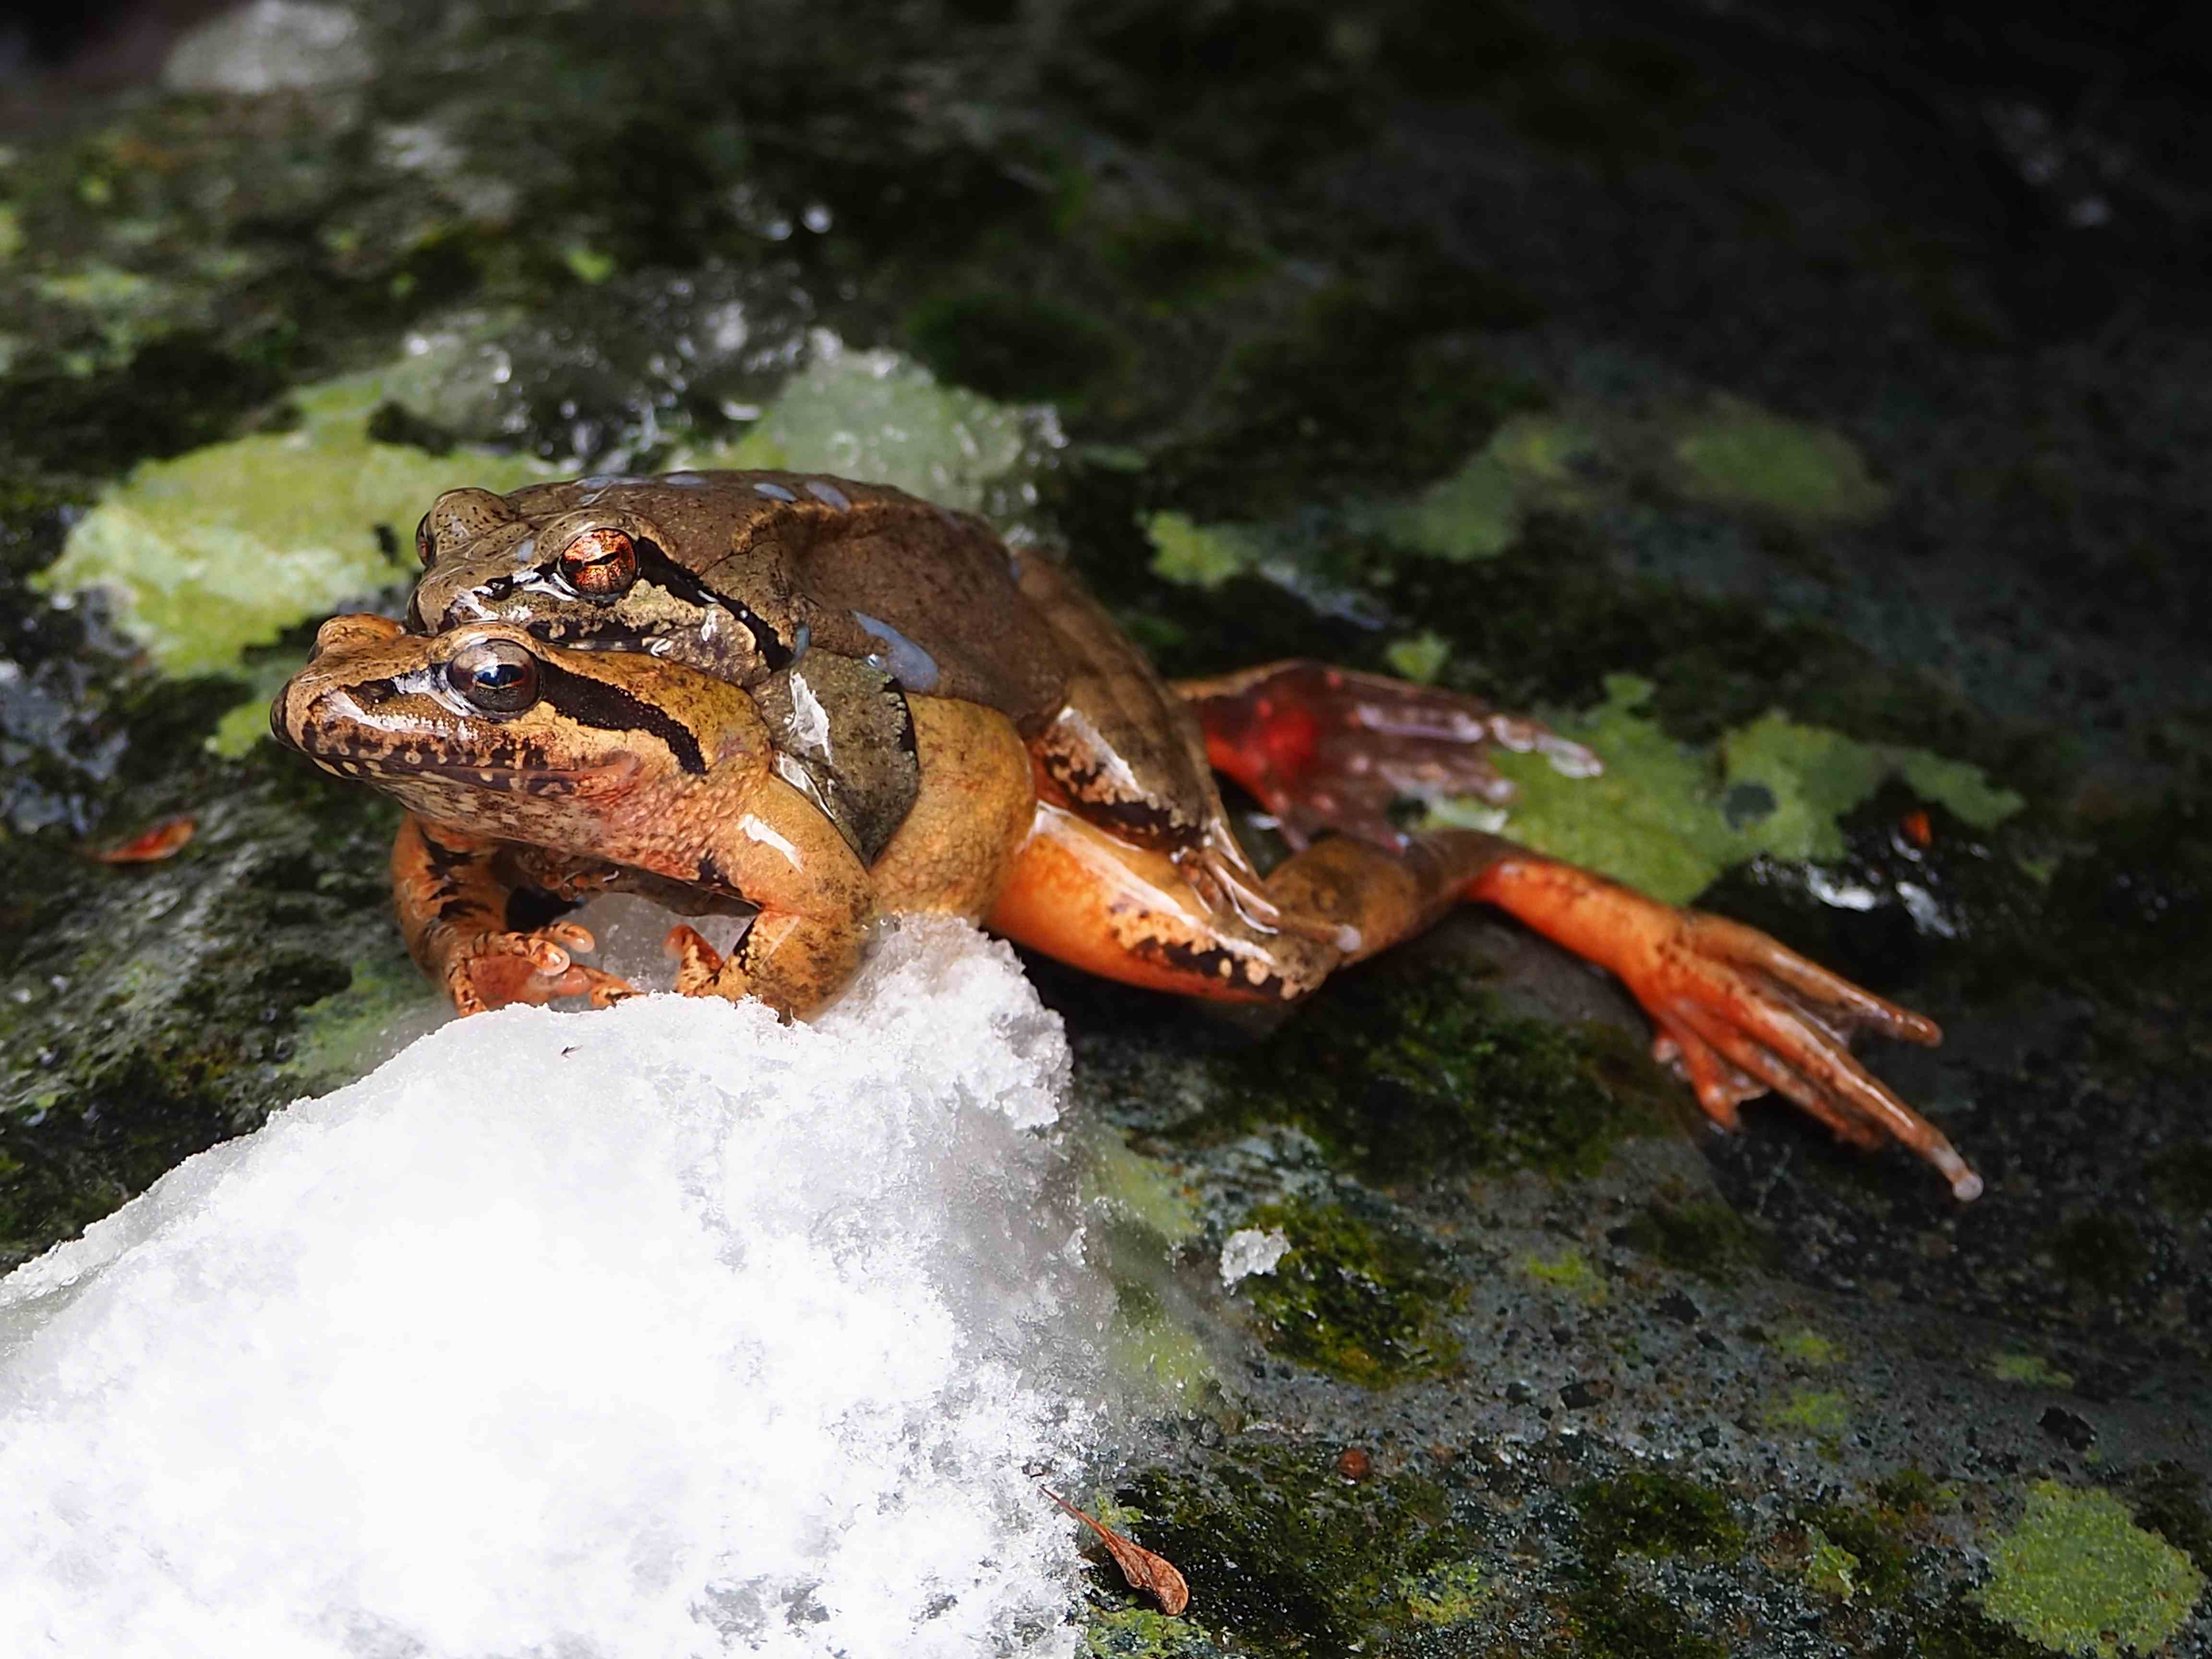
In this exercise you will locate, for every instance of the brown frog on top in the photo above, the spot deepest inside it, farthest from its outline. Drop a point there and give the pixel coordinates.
(867, 706)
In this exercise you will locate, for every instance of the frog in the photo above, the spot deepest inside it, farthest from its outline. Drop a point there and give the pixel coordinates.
(536, 772)
(832, 601)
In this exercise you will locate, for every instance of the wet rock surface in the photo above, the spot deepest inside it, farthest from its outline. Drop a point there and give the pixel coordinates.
(1656, 370)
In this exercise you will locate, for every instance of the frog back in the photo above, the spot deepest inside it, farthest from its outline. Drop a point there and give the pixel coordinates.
(865, 571)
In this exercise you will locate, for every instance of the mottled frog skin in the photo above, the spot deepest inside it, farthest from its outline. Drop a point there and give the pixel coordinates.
(819, 701)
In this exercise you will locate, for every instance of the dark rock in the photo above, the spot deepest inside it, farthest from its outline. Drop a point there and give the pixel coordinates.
(2067, 1429)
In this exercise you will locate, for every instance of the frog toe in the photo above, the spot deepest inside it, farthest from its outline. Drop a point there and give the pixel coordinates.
(1738, 1013)
(1747, 1016)
(497, 969)
(698, 965)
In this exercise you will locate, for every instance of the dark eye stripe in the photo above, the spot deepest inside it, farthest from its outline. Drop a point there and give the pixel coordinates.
(609, 709)
(653, 567)
(657, 567)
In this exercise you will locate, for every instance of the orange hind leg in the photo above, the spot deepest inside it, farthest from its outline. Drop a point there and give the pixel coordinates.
(1739, 1013)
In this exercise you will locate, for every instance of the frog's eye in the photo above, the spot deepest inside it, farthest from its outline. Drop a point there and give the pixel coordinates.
(497, 676)
(600, 564)
(425, 549)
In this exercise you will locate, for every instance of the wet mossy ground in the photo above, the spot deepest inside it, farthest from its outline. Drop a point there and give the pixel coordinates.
(1831, 377)
(1409, 1071)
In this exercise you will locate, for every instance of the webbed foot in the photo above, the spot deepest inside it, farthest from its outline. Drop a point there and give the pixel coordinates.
(494, 969)
(1326, 749)
(1738, 1013)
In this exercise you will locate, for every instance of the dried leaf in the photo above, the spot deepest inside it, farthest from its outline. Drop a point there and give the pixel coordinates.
(1154, 1574)
(151, 846)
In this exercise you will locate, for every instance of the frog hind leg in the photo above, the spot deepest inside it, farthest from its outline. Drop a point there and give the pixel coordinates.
(452, 897)
(1739, 1012)
(1329, 749)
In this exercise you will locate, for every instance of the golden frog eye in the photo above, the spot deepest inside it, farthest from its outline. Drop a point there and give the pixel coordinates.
(425, 549)
(497, 676)
(600, 564)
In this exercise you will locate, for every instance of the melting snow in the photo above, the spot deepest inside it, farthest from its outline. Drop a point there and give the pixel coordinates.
(663, 1331)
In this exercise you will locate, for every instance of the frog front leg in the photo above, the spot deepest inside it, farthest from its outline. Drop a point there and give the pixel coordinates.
(452, 911)
(815, 898)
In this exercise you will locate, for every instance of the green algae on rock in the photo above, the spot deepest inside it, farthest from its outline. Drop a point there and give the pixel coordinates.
(1420, 657)
(1570, 1271)
(1806, 1346)
(1446, 1594)
(1735, 453)
(1830, 1569)
(385, 1005)
(1868, 1550)
(226, 547)
(1202, 555)
(1283, 1556)
(1411, 1072)
(1652, 1512)
(1819, 1410)
(2078, 1576)
(1141, 1633)
(1354, 1299)
(2032, 1370)
(1660, 817)
(1532, 461)
(1140, 1189)
(1700, 1236)
(878, 415)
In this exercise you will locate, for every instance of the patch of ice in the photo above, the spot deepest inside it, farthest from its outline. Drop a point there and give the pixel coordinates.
(663, 1331)
(1252, 1250)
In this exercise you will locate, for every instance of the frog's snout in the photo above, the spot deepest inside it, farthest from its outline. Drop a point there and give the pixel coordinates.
(290, 710)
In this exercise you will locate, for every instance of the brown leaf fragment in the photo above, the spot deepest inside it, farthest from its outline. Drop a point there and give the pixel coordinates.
(151, 846)
(1153, 1574)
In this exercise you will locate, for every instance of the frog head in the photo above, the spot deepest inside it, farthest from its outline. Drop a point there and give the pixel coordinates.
(485, 728)
(600, 569)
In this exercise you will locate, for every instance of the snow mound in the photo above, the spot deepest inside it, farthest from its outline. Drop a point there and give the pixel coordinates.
(663, 1331)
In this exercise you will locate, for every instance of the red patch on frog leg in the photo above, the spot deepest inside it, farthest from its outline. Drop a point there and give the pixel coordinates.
(1328, 750)
(1740, 1013)
(1266, 746)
